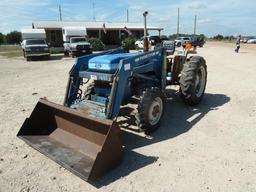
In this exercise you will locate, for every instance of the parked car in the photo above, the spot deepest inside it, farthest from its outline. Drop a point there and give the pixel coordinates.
(197, 41)
(169, 46)
(139, 44)
(251, 41)
(34, 44)
(78, 46)
(75, 42)
(244, 40)
(181, 40)
(35, 48)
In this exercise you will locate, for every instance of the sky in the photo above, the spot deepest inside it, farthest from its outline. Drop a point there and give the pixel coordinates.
(226, 17)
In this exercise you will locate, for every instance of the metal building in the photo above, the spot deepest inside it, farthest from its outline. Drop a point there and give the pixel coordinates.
(110, 33)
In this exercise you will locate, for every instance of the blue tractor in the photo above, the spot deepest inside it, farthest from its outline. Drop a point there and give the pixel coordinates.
(83, 135)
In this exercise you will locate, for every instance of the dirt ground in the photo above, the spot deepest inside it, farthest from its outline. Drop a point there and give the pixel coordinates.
(211, 147)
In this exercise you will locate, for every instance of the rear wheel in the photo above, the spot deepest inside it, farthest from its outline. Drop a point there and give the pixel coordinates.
(150, 109)
(193, 80)
(66, 53)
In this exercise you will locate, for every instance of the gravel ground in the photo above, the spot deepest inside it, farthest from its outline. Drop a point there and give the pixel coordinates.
(211, 147)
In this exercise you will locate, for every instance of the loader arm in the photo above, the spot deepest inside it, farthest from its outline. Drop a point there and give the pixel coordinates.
(74, 79)
(147, 62)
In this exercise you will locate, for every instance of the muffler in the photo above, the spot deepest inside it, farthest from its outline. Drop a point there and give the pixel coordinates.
(87, 146)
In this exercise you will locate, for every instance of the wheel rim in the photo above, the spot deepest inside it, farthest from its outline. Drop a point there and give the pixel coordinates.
(200, 81)
(155, 111)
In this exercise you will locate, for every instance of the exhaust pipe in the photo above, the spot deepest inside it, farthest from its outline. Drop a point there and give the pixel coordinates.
(145, 43)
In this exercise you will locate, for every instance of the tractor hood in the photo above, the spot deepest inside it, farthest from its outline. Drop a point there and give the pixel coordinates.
(108, 63)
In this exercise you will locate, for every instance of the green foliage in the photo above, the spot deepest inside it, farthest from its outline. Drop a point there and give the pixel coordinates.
(230, 38)
(218, 37)
(13, 37)
(221, 37)
(172, 37)
(2, 38)
(129, 43)
(97, 44)
(163, 37)
(202, 36)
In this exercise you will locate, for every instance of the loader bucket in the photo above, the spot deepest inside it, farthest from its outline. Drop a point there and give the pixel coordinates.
(85, 145)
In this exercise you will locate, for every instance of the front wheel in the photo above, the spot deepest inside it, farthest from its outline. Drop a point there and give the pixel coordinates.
(150, 109)
(66, 53)
(28, 58)
(193, 80)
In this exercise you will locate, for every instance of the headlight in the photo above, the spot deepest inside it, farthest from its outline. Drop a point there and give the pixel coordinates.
(27, 49)
(46, 49)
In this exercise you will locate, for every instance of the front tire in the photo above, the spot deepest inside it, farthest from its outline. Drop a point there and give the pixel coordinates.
(66, 53)
(193, 80)
(150, 109)
(28, 58)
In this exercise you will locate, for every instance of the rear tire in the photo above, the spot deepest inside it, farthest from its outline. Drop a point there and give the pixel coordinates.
(66, 53)
(150, 109)
(193, 80)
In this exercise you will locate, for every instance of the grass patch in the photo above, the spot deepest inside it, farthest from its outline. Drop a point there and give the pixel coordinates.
(10, 51)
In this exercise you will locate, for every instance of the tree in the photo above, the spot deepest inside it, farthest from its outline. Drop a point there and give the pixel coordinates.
(172, 37)
(218, 37)
(129, 43)
(2, 38)
(163, 37)
(13, 37)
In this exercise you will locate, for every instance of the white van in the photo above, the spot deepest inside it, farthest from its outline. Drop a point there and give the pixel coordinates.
(75, 41)
(34, 44)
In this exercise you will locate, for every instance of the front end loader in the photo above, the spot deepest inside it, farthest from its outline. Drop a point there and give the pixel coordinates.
(82, 135)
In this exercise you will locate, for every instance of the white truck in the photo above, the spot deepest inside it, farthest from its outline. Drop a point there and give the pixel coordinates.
(34, 44)
(182, 41)
(75, 41)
